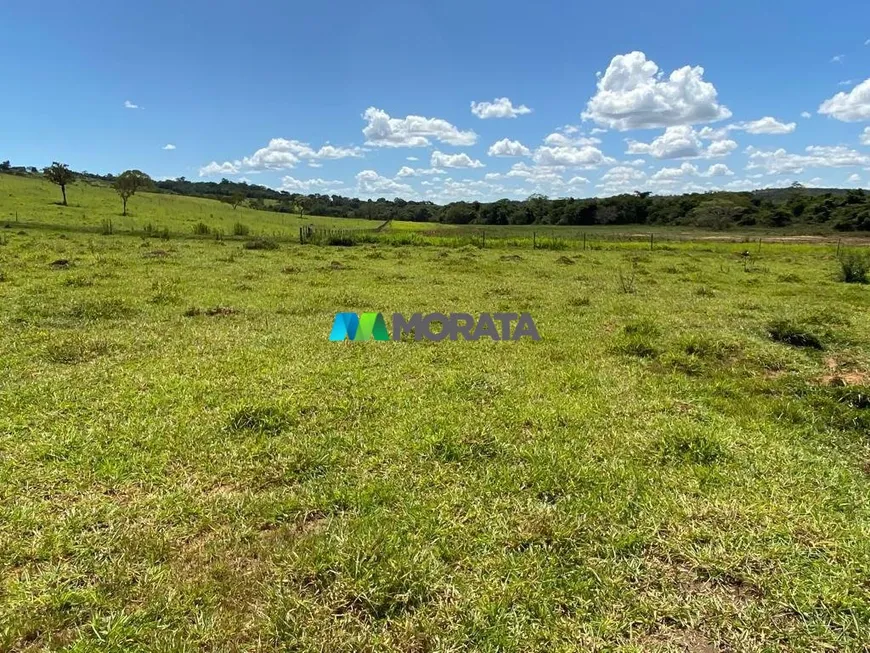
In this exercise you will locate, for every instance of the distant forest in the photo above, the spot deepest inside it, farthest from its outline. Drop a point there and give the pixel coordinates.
(838, 209)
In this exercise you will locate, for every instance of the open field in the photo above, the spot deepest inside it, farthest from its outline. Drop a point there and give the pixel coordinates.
(186, 462)
(90, 205)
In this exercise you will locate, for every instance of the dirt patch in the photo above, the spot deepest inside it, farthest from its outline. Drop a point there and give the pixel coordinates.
(60, 264)
(564, 260)
(156, 253)
(840, 374)
(337, 265)
(690, 640)
(310, 522)
(510, 257)
(214, 311)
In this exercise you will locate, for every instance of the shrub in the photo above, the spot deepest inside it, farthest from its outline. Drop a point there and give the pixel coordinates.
(792, 334)
(201, 229)
(106, 228)
(341, 240)
(240, 229)
(853, 268)
(261, 243)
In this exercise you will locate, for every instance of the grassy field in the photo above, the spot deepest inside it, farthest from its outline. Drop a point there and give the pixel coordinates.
(90, 206)
(187, 463)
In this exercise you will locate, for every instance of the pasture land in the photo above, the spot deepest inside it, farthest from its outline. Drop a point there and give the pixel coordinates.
(186, 462)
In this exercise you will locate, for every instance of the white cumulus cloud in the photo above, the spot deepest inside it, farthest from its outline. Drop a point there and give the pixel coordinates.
(507, 147)
(718, 170)
(370, 182)
(412, 131)
(309, 185)
(281, 154)
(685, 170)
(806, 114)
(499, 108)
(214, 169)
(562, 140)
(633, 94)
(579, 152)
(766, 125)
(683, 142)
(461, 160)
(853, 106)
(130, 105)
(777, 162)
(169, 146)
(407, 171)
(865, 136)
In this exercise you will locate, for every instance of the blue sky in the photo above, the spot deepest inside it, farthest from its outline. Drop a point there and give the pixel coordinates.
(444, 100)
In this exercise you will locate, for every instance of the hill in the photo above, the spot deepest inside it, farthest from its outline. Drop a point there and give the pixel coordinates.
(815, 208)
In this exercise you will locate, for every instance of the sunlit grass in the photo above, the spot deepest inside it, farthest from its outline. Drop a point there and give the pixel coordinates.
(186, 462)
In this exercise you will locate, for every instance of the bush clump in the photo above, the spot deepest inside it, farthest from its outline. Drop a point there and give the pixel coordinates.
(854, 268)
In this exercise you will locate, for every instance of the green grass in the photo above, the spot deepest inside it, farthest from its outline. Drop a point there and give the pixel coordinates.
(91, 206)
(186, 462)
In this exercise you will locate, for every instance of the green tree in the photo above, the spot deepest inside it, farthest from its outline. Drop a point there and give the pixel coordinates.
(236, 199)
(5, 166)
(128, 182)
(60, 174)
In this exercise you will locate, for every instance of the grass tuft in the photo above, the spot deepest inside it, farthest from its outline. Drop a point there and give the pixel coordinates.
(691, 448)
(261, 243)
(854, 267)
(260, 419)
(71, 351)
(792, 334)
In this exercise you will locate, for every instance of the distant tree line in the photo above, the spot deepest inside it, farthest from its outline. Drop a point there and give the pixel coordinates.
(840, 209)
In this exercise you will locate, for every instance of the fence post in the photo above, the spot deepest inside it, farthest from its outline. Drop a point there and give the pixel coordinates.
(759, 244)
(584, 241)
(650, 242)
(839, 240)
(301, 242)
(534, 241)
